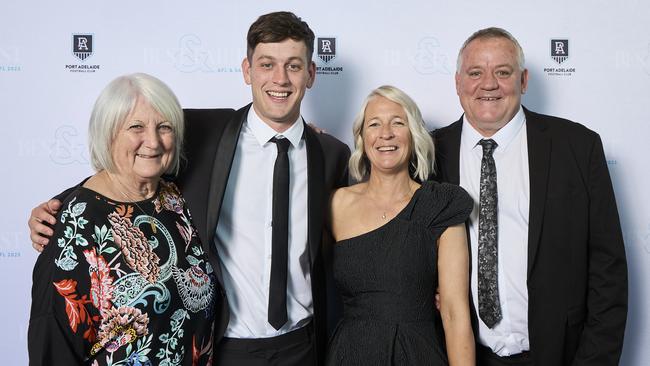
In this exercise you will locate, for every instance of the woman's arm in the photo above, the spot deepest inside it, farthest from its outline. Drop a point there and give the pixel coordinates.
(338, 213)
(63, 318)
(453, 276)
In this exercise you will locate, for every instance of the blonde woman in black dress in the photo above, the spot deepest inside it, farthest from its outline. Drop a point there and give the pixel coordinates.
(399, 238)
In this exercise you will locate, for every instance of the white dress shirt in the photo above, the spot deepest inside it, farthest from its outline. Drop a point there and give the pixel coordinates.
(510, 336)
(243, 235)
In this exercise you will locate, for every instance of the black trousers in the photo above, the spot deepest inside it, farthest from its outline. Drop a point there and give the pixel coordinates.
(485, 357)
(293, 348)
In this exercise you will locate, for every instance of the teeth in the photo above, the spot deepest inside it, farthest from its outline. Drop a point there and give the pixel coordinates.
(278, 94)
(489, 98)
(387, 148)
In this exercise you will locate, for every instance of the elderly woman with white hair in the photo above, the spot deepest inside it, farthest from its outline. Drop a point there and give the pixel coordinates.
(128, 282)
(399, 238)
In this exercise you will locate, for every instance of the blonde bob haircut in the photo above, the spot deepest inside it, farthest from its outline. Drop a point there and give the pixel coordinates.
(115, 103)
(422, 150)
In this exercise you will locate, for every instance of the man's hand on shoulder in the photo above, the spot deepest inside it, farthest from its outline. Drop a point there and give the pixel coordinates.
(41, 221)
(316, 128)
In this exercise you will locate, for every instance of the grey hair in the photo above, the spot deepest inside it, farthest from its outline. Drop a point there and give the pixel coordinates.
(115, 103)
(488, 33)
(422, 149)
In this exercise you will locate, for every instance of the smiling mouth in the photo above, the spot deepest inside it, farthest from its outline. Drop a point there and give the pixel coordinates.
(387, 148)
(278, 95)
(144, 156)
(488, 99)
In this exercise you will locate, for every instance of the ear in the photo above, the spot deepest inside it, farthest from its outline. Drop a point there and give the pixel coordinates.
(246, 70)
(312, 74)
(457, 78)
(524, 81)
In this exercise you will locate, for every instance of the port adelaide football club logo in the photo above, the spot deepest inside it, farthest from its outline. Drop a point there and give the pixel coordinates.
(559, 50)
(326, 51)
(82, 46)
(82, 49)
(559, 53)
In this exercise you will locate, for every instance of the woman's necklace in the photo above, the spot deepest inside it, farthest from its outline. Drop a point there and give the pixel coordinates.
(130, 200)
(405, 196)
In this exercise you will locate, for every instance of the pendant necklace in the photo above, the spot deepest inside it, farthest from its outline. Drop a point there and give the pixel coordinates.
(407, 195)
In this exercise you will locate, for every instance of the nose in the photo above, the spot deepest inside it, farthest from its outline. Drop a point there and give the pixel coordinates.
(387, 131)
(489, 82)
(152, 137)
(280, 76)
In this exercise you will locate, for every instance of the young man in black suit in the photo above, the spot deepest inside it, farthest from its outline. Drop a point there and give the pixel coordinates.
(549, 274)
(228, 184)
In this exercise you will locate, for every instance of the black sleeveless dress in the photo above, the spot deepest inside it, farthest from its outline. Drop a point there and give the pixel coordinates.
(387, 279)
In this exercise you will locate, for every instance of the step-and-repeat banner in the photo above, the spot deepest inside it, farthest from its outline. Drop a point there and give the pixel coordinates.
(589, 61)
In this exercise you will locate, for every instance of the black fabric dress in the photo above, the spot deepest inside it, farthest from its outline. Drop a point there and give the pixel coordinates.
(387, 279)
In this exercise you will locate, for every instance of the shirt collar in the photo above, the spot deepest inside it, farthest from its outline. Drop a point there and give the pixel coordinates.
(503, 137)
(263, 133)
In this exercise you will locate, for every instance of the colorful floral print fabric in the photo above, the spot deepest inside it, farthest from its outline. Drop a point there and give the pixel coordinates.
(123, 284)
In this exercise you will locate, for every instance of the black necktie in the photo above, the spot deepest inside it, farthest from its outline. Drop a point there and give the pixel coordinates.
(489, 308)
(277, 315)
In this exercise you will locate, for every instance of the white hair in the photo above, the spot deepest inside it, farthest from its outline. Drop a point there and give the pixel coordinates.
(492, 32)
(115, 103)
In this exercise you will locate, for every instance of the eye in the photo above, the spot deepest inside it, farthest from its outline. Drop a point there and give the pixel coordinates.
(474, 74)
(294, 67)
(165, 127)
(266, 65)
(136, 126)
(503, 73)
(373, 124)
(399, 122)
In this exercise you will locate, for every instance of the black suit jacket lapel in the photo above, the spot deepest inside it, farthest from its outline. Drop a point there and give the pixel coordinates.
(315, 192)
(448, 152)
(539, 151)
(221, 170)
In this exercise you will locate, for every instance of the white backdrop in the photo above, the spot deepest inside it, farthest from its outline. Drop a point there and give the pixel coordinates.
(46, 93)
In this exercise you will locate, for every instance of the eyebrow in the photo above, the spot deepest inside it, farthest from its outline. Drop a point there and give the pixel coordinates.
(156, 122)
(271, 58)
(497, 66)
(391, 117)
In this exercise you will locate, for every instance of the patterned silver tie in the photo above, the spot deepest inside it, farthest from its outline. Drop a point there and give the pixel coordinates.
(489, 308)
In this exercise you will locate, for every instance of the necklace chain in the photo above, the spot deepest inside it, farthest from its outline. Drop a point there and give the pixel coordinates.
(384, 211)
(130, 200)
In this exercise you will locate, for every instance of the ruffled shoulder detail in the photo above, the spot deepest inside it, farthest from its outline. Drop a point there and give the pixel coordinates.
(441, 205)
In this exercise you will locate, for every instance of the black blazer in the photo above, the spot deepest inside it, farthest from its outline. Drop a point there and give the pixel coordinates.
(210, 140)
(577, 272)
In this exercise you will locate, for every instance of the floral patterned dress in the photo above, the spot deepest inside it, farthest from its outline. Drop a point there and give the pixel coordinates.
(122, 284)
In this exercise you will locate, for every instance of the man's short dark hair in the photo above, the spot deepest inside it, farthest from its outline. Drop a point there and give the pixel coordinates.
(277, 27)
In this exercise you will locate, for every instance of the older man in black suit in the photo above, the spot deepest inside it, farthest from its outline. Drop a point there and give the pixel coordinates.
(549, 275)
